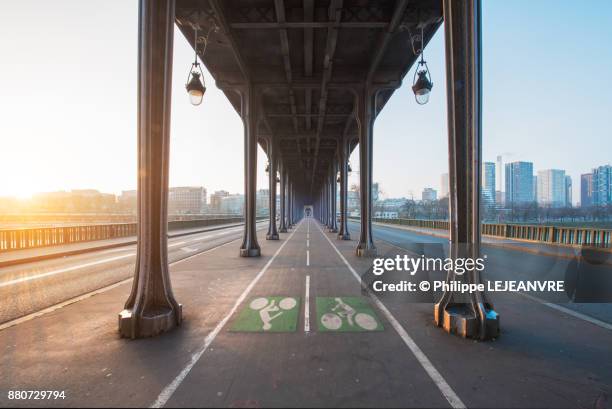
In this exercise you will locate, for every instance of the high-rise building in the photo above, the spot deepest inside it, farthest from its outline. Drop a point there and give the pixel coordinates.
(551, 188)
(444, 185)
(499, 193)
(186, 200)
(429, 195)
(519, 183)
(586, 190)
(568, 191)
(488, 183)
(602, 185)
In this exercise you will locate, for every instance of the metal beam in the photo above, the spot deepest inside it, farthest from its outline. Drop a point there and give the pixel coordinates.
(310, 24)
(222, 21)
(334, 14)
(383, 43)
(279, 8)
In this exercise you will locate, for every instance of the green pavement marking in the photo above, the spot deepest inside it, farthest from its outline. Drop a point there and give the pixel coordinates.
(268, 314)
(346, 314)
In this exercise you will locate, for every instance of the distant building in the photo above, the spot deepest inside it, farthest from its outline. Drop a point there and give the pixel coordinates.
(519, 183)
(186, 200)
(586, 190)
(499, 174)
(488, 184)
(128, 200)
(602, 185)
(375, 192)
(216, 199)
(500, 199)
(232, 204)
(568, 191)
(551, 188)
(75, 201)
(386, 214)
(444, 185)
(263, 202)
(429, 195)
(352, 200)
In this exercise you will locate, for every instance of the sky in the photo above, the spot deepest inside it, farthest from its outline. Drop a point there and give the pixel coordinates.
(68, 101)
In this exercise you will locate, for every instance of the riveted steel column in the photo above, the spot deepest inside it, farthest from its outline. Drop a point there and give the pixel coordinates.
(151, 307)
(283, 193)
(272, 159)
(289, 202)
(250, 100)
(326, 200)
(343, 231)
(366, 115)
(468, 315)
(333, 228)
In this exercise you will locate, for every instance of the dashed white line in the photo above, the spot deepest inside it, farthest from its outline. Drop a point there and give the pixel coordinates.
(431, 370)
(308, 258)
(169, 390)
(307, 306)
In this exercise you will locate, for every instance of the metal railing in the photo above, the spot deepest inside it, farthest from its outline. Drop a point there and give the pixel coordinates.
(576, 236)
(27, 238)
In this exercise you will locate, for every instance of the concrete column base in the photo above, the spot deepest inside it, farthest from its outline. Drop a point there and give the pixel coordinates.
(282, 230)
(344, 236)
(254, 252)
(333, 230)
(458, 319)
(366, 252)
(149, 324)
(272, 236)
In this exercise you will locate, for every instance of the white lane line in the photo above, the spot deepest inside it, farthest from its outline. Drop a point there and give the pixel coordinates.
(169, 390)
(570, 312)
(431, 370)
(61, 305)
(64, 270)
(307, 242)
(307, 306)
(308, 258)
(98, 291)
(79, 266)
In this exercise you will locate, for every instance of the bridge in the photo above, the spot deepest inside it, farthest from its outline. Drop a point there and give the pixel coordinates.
(281, 312)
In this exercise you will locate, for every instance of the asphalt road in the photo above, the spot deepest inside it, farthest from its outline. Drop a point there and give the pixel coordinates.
(28, 288)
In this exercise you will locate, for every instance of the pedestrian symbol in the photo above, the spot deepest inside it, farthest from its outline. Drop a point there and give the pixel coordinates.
(346, 314)
(268, 314)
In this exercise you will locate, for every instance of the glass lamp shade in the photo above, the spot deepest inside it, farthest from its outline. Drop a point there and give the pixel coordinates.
(196, 89)
(267, 167)
(422, 88)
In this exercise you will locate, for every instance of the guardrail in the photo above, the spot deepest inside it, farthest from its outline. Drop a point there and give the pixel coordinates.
(27, 238)
(577, 236)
